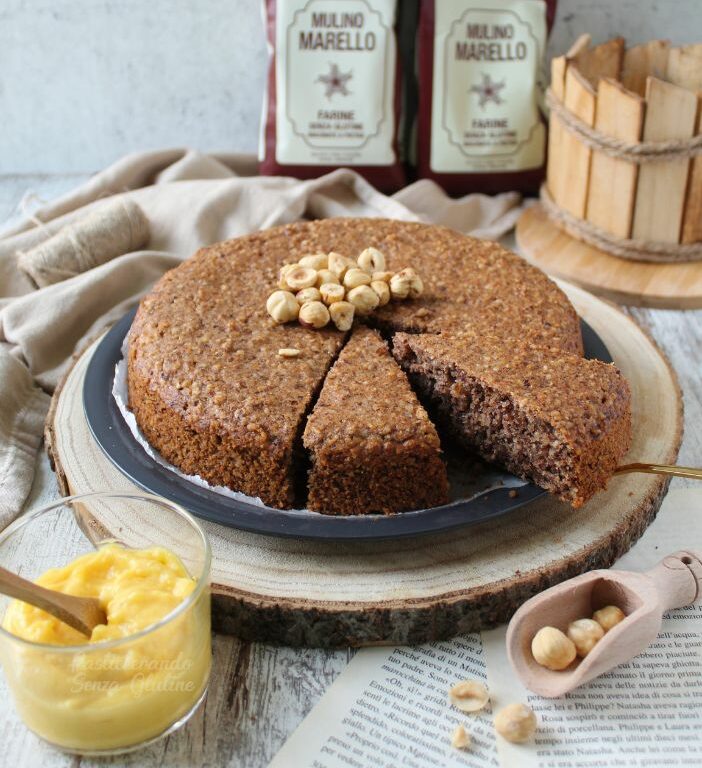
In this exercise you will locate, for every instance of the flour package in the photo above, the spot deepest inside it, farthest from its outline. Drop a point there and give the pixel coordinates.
(333, 91)
(480, 81)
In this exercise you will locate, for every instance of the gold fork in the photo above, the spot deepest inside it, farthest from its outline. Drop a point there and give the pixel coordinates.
(661, 469)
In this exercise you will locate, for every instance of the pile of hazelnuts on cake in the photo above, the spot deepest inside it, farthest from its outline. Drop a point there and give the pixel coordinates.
(328, 287)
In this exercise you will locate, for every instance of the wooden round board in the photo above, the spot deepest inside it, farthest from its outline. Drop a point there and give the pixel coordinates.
(413, 590)
(639, 283)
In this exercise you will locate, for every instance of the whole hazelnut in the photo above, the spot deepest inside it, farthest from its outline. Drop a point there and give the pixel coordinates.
(399, 287)
(331, 292)
(342, 313)
(516, 723)
(301, 277)
(609, 617)
(413, 280)
(469, 696)
(326, 276)
(282, 283)
(315, 261)
(282, 306)
(313, 315)
(383, 291)
(338, 264)
(364, 298)
(585, 634)
(552, 648)
(355, 277)
(308, 294)
(371, 260)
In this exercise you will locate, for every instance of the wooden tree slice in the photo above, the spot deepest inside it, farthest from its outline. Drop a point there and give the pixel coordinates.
(639, 283)
(411, 591)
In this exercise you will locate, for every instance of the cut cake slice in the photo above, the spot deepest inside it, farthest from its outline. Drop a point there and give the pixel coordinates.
(553, 417)
(372, 446)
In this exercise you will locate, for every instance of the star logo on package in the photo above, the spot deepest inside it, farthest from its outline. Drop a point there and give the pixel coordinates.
(488, 91)
(335, 81)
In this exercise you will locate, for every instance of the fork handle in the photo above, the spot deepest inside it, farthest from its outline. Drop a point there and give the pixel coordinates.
(692, 473)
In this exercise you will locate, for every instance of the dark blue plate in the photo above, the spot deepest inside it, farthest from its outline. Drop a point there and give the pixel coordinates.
(114, 437)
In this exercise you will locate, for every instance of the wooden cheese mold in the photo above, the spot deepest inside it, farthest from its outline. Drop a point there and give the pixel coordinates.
(644, 94)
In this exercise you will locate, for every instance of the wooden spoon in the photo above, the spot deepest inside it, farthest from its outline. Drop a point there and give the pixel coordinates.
(644, 598)
(81, 613)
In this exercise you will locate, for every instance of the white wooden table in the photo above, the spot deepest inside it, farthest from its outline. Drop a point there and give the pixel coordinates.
(259, 693)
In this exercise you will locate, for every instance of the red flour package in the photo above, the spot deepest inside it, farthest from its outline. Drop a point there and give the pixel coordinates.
(480, 82)
(333, 90)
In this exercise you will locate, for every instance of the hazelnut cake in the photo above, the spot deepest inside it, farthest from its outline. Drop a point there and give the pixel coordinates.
(371, 444)
(223, 390)
(553, 417)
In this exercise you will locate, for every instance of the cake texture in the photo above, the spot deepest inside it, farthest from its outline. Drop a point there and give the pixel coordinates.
(372, 446)
(208, 388)
(548, 416)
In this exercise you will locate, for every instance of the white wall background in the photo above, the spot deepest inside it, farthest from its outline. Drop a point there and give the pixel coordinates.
(84, 81)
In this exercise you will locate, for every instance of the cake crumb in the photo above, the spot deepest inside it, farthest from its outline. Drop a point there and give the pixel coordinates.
(460, 738)
(289, 352)
(513, 494)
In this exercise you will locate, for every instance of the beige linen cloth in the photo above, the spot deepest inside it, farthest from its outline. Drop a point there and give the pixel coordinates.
(190, 200)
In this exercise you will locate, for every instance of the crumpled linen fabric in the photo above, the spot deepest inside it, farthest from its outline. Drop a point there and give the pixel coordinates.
(190, 200)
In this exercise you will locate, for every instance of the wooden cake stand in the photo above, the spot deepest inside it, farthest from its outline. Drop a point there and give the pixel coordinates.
(421, 589)
(640, 283)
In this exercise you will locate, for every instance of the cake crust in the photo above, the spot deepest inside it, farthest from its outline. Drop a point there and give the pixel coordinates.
(372, 446)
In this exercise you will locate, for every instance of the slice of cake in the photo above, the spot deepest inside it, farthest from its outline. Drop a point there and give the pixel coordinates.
(371, 444)
(551, 417)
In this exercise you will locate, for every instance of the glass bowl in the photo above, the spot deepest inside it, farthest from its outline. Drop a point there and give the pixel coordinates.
(117, 695)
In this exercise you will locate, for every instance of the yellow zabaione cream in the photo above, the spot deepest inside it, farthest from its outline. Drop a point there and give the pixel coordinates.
(121, 686)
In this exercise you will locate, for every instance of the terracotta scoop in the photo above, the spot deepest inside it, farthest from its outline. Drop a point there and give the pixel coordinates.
(81, 613)
(644, 598)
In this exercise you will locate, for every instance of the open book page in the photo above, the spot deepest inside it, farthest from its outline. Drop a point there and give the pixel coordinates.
(647, 713)
(390, 707)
